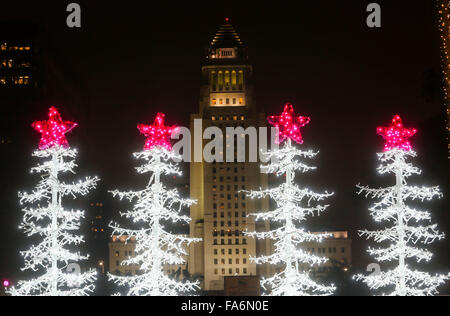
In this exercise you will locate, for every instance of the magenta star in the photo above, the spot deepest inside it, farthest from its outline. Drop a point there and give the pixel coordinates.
(289, 125)
(158, 135)
(396, 135)
(53, 131)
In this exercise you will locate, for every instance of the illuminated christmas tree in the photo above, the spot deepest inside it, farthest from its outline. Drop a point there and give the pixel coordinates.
(51, 222)
(405, 232)
(294, 205)
(152, 207)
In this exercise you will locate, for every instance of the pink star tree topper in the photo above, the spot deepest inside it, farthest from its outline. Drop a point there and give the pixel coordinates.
(158, 135)
(289, 125)
(53, 130)
(396, 135)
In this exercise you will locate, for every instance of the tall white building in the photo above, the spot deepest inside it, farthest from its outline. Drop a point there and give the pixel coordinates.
(220, 216)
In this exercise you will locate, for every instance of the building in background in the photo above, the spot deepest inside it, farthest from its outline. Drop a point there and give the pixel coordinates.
(119, 250)
(98, 236)
(20, 75)
(220, 215)
(19, 63)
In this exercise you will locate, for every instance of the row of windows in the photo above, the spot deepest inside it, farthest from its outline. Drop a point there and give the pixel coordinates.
(230, 242)
(227, 80)
(230, 233)
(230, 261)
(5, 140)
(4, 47)
(223, 170)
(229, 206)
(228, 102)
(15, 80)
(222, 187)
(229, 216)
(236, 215)
(236, 178)
(230, 271)
(236, 196)
(228, 118)
(9, 63)
(126, 253)
(230, 251)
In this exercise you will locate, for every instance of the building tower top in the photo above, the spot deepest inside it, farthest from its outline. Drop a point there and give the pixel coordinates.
(226, 44)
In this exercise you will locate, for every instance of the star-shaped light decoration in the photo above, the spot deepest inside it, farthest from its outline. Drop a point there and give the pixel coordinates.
(289, 125)
(53, 130)
(396, 135)
(158, 135)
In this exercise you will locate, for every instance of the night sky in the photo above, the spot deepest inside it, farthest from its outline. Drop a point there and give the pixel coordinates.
(135, 58)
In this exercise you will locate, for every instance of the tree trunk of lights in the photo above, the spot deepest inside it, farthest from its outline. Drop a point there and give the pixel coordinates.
(54, 227)
(400, 225)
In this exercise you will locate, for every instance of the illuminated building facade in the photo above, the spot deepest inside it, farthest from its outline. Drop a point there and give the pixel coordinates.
(17, 56)
(98, 236)
(220, 216)
(20, 72)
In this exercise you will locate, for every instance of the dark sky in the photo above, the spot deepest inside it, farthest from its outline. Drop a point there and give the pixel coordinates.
(131, 59)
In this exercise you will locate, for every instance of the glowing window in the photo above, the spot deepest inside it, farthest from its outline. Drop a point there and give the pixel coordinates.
(241, 80)
(233, 79)
(220, 80)
(227, 80)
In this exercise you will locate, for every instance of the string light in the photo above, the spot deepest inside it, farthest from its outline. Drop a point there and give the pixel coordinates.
(51, 222)
(53, 130)
(443, 9)
(155, 204)
(396, 135)
(158, 135)
(289, 125)
(404, 232)
(294, 205)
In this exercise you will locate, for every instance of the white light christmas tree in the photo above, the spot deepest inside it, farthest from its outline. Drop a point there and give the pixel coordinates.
(56, 226)
(405, 232)
(294, 205)
(154, 205)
